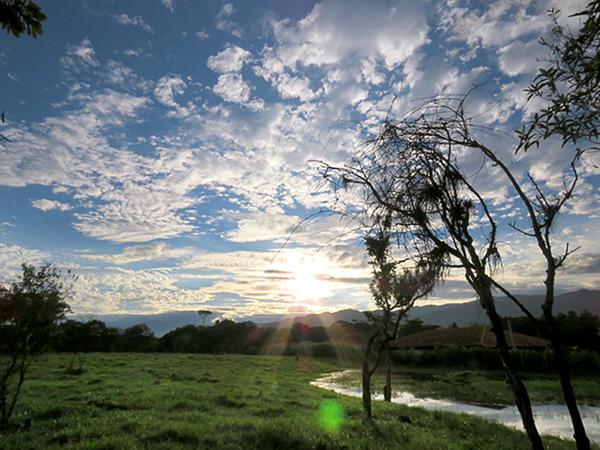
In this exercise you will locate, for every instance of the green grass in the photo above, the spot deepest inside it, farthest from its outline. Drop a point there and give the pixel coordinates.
(171, 401)
(482, 387)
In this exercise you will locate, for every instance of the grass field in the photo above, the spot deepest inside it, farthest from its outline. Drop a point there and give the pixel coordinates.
(482, 387)
(177, 401)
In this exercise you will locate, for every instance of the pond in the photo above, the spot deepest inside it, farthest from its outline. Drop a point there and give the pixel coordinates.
(552, 419)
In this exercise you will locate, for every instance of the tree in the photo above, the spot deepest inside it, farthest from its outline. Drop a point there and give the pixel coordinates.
(570, 88)
(17, 17)
(29, 311)
(410, 173)
(137, 338)
(204, 314)
(569, 85)
(21, 16)
(90, 336)
(395, 291)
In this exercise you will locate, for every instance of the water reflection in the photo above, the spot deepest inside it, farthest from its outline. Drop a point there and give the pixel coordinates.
(550, 419)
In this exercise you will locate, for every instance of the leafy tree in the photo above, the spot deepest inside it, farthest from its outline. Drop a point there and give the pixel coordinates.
(569, 85)
(318, 334)
(575, 330)
(91, 336)
(137, 338)
(204, 314)
(17, 17)
(298, 333)
(413, 326)
(186, 339)
(409, 172)
(21, 16)
(29, 311)
(395, 291)
(579, 330)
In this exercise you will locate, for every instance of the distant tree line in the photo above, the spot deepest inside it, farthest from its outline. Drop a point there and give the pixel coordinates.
(226, 336)
(575, 330)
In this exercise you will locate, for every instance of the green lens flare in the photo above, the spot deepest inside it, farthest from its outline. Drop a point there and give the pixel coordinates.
(331, 415)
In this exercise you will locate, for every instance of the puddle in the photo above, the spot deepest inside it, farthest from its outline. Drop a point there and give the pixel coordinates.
(552, 419)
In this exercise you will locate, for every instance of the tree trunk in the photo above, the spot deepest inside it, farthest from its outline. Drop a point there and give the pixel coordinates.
(579, 434)
(387, 390)
(517, 386)
(366, 391)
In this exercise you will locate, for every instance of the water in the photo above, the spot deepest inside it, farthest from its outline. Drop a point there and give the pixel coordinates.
(552, 419)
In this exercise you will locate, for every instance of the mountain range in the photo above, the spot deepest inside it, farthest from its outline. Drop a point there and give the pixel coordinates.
(460, 313)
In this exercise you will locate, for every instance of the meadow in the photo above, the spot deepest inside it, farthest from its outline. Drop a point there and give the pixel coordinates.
(191, 401)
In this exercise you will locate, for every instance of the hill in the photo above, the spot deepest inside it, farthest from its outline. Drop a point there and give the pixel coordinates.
(462, 314)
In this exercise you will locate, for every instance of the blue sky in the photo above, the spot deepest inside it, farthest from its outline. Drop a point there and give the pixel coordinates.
(163, 150)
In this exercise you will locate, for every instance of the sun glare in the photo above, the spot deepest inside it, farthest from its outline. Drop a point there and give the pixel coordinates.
(305, 282)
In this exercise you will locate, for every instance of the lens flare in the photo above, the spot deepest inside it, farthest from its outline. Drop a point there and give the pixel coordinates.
(331, 415)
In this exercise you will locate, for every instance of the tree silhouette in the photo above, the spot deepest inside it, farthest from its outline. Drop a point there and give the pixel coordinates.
(204, 314)
(21, 16)
(29, 311)
(569, 85)
(17, 17)
(410, 173)
(395, 291)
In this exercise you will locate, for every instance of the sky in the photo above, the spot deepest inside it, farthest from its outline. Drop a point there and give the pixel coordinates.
(165, 150)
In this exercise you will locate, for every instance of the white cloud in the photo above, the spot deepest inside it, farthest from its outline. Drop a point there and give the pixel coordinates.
(328, 35)
(169, 4)
(48, 205)
(137, 253)
(202, 35)
(319, 230)
(329, 87)
(252, 227)
(133, 52)
(11, 258)
(225, 24)
(80, 56)
(294, 87)
(498, 24)
(135, 21)
(518, 58)
(232, 59)
(120, 199)
(231, 87)
(165, 91)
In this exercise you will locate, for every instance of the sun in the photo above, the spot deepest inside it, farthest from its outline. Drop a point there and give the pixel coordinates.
(306, 281)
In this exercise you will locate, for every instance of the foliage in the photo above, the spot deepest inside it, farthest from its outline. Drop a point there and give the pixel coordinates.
(413, 326)
(204, 314)
(21, 16)
(485, 358)
(569, 86)
(576, 330)
(29, 311)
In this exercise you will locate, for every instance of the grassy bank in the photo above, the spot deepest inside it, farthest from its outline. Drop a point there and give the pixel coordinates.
(176, 401)
(484, 387)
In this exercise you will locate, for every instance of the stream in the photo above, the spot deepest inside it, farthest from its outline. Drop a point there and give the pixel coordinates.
(552, 419)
